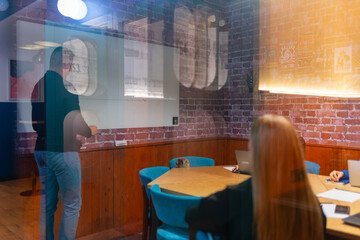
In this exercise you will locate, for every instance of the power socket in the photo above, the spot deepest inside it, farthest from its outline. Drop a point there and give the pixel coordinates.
(120, 143)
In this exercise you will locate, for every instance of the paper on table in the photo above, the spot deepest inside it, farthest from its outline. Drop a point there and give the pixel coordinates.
(229, 168)
(329, 211)
(341, 195)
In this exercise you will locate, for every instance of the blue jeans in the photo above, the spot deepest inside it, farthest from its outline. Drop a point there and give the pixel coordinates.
(59, 170)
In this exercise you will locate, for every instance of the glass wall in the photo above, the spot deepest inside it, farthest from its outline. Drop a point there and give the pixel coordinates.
(143, 81)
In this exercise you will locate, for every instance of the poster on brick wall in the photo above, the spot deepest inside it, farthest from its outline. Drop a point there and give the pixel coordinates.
(313, 54)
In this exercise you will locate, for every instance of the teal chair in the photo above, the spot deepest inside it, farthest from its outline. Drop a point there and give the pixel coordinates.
(312, 167)
(195, 161)
(171, 210)
(147, 175)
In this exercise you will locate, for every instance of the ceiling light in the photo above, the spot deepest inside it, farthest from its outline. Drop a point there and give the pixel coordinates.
(4, 5)
(76, 9)
(32, 47)
(47, 44)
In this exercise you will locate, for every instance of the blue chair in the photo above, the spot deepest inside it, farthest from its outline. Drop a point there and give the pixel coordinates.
(200, 235)
(195, 161)
(147, 175)
(312, 167)
(171, 209)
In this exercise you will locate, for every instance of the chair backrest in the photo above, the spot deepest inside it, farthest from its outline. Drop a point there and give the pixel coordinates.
(195, 161)
(312, 167)
(149, 174)
(171, 209)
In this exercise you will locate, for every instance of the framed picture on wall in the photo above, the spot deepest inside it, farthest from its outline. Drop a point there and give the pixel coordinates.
(23, 77)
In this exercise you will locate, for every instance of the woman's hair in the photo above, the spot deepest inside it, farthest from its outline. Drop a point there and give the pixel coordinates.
(284, 205)
(182, 163)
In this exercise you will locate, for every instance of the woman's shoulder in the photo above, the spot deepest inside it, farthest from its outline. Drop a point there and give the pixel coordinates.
(244, 186)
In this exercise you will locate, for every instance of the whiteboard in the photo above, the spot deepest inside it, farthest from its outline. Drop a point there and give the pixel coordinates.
(117, 102)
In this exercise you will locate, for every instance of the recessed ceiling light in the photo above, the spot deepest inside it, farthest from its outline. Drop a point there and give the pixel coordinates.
(47, 44)
(4, 5)
(32, 47)
(76, 9)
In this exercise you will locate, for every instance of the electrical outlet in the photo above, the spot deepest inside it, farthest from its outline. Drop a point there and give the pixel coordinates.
(120, 143)
(175, 121)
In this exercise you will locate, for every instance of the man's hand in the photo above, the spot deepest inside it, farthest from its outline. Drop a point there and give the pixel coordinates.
(335, 176)
(93, 129)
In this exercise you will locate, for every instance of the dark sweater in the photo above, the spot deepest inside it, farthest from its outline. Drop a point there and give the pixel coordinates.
(228, 213)
(57, 120)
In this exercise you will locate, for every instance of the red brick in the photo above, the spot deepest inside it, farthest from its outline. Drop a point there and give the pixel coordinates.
(311, 120)
(312, 106)
(354, 114)
(120, 137)
(170, 134)
(326, 113)
(354, 144)
(327, 142)
(337, 136)
(285, 107)
(325, 136)
(352, 137)
(325, 128)
(108, 144)
(129, 137)
(103, 138)
(311, 134)
(337, 121)
(93, 145)
(312, 100)
(343, 106)
(310, 127)
(299, 113)
(298, 120)
(327, 106)
(342, 129)
(310, 113)
(285, 113)
(354, 129)
(352, 121)
(342, 114)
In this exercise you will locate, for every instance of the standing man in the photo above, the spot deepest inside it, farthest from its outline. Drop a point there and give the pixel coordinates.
(59, 124)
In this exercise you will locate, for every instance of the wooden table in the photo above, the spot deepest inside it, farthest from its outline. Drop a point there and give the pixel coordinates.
(203, 181)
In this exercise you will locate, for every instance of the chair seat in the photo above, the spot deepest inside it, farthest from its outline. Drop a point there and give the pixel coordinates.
(166, 232)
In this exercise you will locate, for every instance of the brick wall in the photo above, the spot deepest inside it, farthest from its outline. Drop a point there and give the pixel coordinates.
(201, 110)
(320, 120)
(228, 111)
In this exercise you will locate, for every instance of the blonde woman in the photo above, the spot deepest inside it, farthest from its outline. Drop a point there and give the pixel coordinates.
(276, 203)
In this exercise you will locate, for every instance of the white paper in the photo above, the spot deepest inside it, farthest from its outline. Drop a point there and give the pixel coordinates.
(229, 168)
(341, 195)
(329, 211)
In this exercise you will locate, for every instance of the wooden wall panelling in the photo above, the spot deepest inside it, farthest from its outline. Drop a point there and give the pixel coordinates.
(212, 148)
(233, 144)
(97, 210)
(128, 199)
(348, 154)
(128, 161)
(111, 192)
(329, 158)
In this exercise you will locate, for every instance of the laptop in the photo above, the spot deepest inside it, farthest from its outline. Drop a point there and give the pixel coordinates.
(354, 172)
(353, 220)
(243, 161)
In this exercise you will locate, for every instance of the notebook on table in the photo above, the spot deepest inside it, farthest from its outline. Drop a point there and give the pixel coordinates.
(243, 161)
